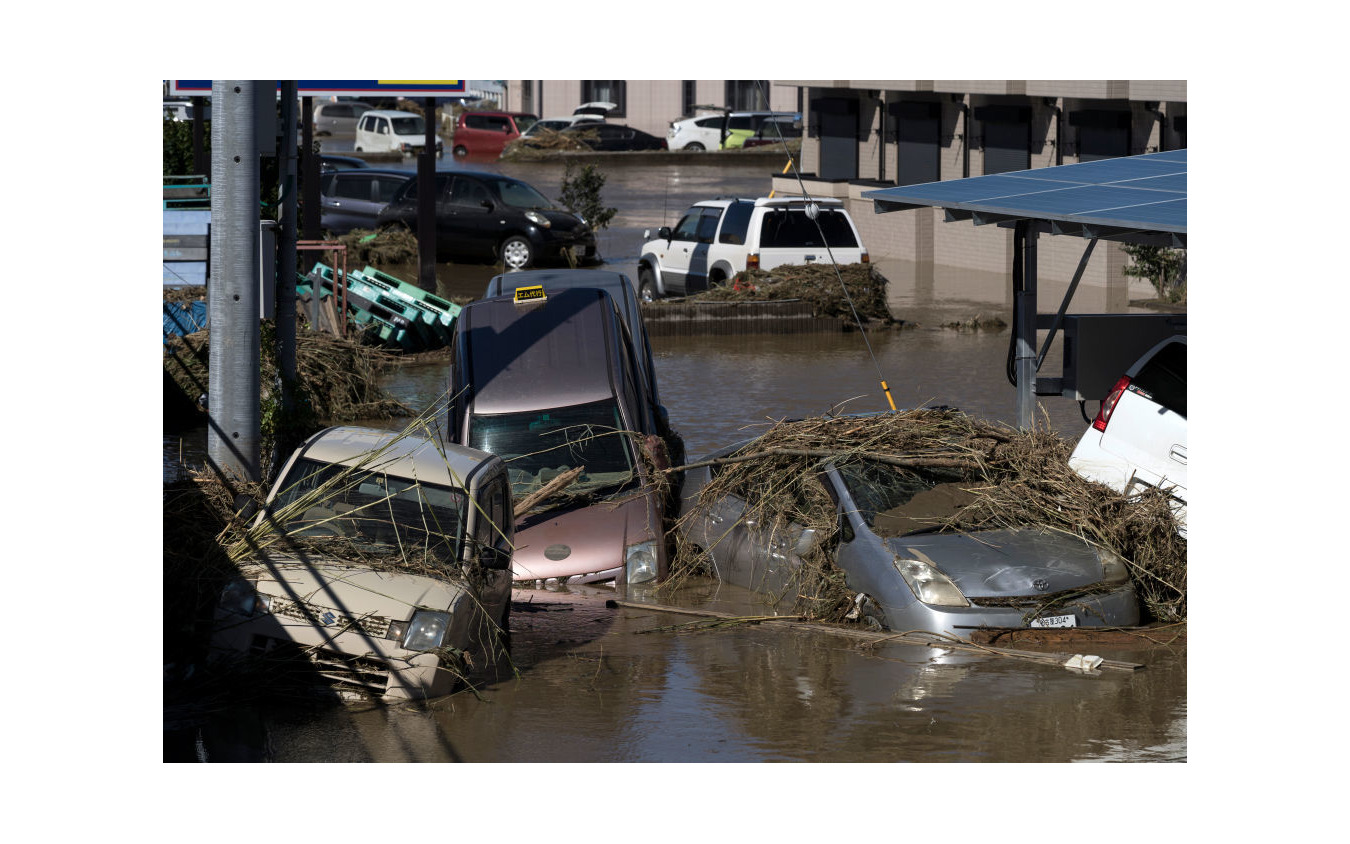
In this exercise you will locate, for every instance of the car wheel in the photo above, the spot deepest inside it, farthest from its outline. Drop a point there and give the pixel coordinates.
(647, 285)
(694, 147)
(517, 253)
(358, 149)
(460, 152)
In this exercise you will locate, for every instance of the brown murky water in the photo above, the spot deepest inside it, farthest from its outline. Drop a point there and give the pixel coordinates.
(594, 685)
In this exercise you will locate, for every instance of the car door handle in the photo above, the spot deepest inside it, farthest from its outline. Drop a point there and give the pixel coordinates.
(1179, 454)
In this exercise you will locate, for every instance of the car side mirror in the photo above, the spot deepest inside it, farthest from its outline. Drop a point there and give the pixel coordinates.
(663, 232)
(493, 558)
(487, 203)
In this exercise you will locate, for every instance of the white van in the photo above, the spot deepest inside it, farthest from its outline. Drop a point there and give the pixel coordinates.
(392, 131)
(1138, 440)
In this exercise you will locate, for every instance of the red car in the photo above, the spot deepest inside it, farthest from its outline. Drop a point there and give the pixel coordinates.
(486, 133)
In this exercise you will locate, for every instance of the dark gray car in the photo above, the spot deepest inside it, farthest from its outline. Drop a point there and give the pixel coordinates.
(353, 199)
(908, 572)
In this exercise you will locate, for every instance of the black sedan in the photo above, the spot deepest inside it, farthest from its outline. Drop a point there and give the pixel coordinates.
(353, 199)
(610, 137)
(494, 216)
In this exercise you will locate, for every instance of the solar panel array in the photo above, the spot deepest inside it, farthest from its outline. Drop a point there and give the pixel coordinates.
(1144, 193)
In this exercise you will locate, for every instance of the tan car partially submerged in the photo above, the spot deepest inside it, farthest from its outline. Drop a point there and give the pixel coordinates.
(381, 561)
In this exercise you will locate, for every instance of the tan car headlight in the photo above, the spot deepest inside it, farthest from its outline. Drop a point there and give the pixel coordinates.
(426, 630)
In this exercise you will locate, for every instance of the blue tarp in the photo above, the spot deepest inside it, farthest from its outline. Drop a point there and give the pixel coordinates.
(183, 318)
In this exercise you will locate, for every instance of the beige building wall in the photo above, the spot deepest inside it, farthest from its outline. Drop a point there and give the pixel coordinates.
(960, 258)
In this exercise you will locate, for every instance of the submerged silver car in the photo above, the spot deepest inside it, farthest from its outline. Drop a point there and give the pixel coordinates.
(909, 573)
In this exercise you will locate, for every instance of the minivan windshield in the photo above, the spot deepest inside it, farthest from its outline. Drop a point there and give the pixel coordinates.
(372, 512)
(521, 195)
(540, 445)
(411, 125)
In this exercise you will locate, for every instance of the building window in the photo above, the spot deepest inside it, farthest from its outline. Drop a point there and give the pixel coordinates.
(1007, 137)
(606, 91)
(527, 96)
(743, 95)
(688, 92)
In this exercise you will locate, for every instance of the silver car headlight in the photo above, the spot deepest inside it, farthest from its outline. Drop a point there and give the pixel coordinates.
(1114, 569)
(930, 585)
(426, 630)
(241, 597)
(640, 562)
(538, 219)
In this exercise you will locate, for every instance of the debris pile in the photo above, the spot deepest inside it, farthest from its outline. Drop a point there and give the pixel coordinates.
(338, 376)
(392, 244)
(1026, 481)
(544, 142)
(813, 283)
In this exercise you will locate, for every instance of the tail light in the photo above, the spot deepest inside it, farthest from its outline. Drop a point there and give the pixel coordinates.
(1109, 403)
(864, 258)
(752, 262)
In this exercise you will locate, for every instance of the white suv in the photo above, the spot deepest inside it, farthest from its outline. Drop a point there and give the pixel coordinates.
(717, 238)
(1138, 439)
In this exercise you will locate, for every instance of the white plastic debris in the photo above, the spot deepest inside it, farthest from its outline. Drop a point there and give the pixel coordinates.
(1082, 662)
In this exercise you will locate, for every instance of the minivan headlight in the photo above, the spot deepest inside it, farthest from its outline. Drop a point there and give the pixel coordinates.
(1114, 569)
(640, 562)
(426, 630)
(538, 219)
(930, 585)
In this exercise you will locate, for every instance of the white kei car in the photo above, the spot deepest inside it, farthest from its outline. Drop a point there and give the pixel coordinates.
(1138, 439)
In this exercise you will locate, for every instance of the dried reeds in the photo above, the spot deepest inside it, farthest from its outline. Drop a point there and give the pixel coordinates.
(813, 283)
(1025, 481)
(339, 377)
(390, 245)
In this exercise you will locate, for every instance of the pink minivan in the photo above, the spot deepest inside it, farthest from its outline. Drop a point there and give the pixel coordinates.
(483, 134)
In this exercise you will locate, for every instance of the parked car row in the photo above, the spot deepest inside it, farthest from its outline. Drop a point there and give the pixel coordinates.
(729, 130)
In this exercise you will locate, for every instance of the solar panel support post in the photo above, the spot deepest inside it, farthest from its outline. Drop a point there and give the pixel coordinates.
(1024, 310)
(426, 199)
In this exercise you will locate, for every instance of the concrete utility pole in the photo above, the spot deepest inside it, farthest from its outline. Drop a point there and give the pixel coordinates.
(233, 433)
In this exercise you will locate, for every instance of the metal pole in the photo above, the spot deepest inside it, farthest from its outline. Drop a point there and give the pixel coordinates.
(201, 165)
(426, 200)
(233, 434)
(286, 341)
(1025, 359)
(310, 162)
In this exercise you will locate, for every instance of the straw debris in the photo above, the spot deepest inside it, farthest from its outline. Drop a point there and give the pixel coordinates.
(339, 377)
(1024, 479)
(813, 283)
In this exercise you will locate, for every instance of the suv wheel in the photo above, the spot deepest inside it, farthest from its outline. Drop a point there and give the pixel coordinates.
(517, 253)
(460, 151)
(647, 284)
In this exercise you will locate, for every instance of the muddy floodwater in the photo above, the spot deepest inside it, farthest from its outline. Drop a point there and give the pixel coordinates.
(600, 683)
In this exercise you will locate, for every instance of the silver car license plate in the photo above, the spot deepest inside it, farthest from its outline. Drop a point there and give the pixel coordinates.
(1055, 621)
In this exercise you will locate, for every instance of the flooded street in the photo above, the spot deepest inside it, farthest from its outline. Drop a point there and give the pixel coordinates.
(599, 683)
